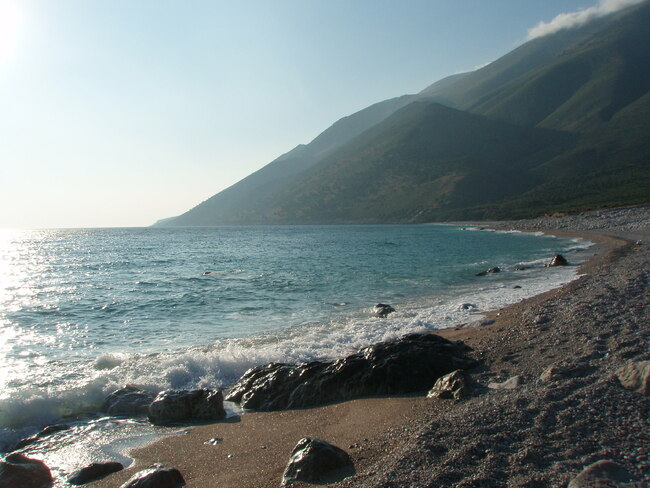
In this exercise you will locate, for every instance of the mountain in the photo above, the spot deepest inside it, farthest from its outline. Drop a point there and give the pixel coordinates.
(243, 202)
(559, 123)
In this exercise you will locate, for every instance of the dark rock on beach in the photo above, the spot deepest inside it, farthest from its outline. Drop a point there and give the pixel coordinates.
(128, 401)
(382, 310)
(46, 432)
(94, 472)
(558, 260)
(156, 476)
(186, 405)
(411, 363)
(17, 470)
(313, 459)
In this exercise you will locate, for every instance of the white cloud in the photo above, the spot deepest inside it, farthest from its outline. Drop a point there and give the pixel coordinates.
(574, 19)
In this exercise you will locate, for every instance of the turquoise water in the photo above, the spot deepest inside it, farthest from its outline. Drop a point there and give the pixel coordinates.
(85, 311)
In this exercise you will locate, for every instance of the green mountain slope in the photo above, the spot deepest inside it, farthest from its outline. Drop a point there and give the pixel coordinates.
(425, 156)
(560, 123)
(242, 201)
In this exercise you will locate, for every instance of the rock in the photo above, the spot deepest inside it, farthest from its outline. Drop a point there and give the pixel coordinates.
(521, 267)
(540, 319)
(128, 401)
(467, 306)
(635, 375)
(382, 309)
(177, 405)
(313, 459)
(19, 471)
(554, 373)
(47, 431)
(509, 384)
(558, 260)
(405, 365)
(156, 477)
(493, 270)
(452, 385)
(602, 474)
(94, 472)
(517, 287)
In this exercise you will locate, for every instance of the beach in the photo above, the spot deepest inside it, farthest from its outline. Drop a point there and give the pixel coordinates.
(540, 433)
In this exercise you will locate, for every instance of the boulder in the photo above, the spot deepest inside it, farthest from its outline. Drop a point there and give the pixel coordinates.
(509, 384)
(555, 373)
(382, 309)
(558, 260)
(313, 459)
(452, 385)
(184, 405)
(602, 474)
(17, 470)
(635, 376)
(47, 431)
(408, 364)
(156, 476)
(94, 472)
(128, 401)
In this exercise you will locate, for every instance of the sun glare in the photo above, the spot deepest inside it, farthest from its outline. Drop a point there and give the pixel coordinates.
(10, 20)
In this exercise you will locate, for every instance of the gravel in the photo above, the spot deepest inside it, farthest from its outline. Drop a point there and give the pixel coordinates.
(545, 431)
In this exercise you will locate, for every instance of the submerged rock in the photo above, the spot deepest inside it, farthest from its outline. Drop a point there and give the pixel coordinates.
(382, 309)
(156, 477)
(94, 472)
(177, 405)
(558, 260)
(313, 459)
(492, 270)
(128, 401)
(635, 376)
(602, 474)
(46, 432)
(411, 363)
(452, 385)
(19, 471)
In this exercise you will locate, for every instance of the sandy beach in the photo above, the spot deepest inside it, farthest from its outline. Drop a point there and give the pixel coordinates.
(541, 433)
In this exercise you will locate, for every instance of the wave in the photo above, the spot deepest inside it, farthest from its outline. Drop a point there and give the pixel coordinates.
(223, 362)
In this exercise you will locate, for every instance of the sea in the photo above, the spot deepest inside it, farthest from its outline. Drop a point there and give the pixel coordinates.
(86, 311)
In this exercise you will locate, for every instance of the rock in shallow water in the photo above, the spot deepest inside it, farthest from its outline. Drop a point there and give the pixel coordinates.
(382, 310)
(178, 405)
(128, 401)
(46, 432)
(156, 477)
(313, 459)
(411, 363)
(19, 471)
(558, 260)
(94, 472)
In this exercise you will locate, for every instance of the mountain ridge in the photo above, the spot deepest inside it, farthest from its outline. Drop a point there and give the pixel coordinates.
(577, 100)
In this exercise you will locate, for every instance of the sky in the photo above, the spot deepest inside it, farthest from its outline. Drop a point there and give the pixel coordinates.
(123, 112)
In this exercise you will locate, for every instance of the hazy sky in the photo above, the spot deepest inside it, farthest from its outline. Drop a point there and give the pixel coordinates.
(121, 112)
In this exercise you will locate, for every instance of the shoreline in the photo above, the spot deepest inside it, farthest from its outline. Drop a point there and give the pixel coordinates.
(373, 430)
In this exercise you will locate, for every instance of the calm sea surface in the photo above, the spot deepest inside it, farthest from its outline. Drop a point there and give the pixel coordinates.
(85, 311)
